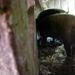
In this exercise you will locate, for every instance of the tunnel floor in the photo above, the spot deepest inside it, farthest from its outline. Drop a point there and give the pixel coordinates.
(53, 61)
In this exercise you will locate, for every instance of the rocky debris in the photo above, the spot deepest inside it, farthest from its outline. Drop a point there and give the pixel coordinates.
(55, 62)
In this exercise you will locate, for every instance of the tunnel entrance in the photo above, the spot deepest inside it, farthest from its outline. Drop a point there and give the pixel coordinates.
(51, 53)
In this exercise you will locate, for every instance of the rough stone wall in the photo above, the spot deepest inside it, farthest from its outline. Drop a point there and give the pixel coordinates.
(8, 65)
(16, 57)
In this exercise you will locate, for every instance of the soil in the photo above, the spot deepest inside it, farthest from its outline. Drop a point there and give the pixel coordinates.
(54, 61)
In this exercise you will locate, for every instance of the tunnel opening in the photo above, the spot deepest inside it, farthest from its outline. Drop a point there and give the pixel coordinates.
(51, 53)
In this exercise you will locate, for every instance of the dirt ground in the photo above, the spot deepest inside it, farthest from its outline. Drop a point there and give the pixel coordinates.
(54, 61)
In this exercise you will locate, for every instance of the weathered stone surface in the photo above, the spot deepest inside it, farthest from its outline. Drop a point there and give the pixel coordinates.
(7, 60)
(25, 57)
(19, 60)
